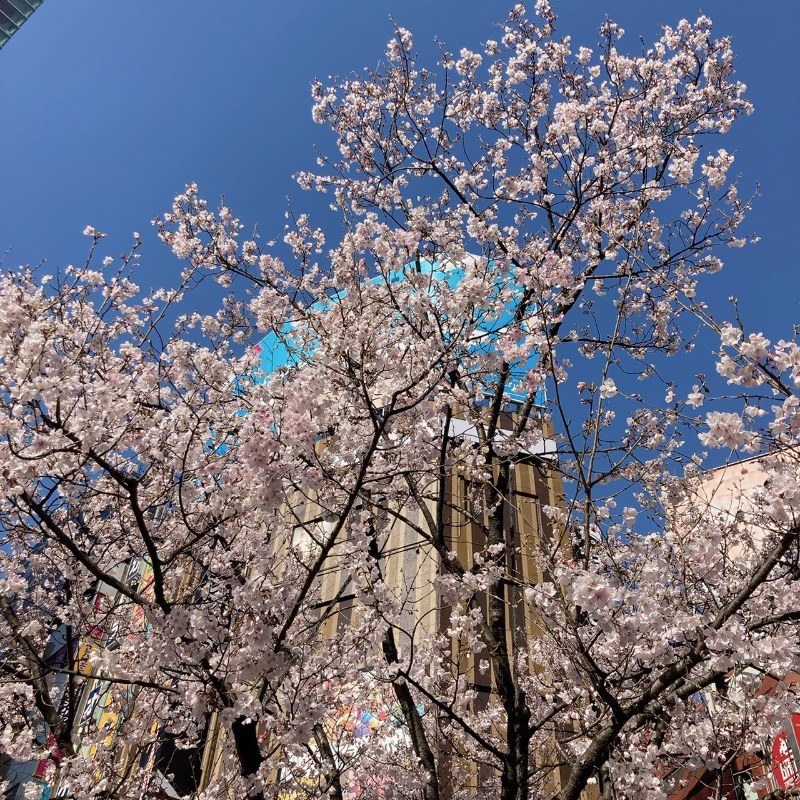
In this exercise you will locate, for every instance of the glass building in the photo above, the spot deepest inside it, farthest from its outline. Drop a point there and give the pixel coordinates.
(13, 15)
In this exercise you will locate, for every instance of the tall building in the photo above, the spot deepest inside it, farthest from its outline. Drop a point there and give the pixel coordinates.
(412, 568)
(13, 15)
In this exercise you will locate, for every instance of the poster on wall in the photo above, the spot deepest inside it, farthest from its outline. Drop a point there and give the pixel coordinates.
(363, 718)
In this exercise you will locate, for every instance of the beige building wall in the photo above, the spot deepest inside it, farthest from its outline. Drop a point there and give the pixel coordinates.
(410, 566)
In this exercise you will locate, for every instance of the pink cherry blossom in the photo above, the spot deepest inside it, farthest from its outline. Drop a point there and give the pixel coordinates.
(350, 533)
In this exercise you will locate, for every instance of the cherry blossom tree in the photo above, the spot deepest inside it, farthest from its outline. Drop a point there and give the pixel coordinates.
(535, 220)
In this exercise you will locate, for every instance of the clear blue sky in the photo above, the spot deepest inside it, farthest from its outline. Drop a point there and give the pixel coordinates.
(109, 107)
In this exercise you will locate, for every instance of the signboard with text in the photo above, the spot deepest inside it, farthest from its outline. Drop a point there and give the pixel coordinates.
(784, 764)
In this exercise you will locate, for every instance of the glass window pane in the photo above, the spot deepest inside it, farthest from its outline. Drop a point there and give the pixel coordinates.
(11, 13)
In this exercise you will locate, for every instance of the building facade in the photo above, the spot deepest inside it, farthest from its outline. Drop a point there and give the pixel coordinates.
(13, 15)
(735, 496)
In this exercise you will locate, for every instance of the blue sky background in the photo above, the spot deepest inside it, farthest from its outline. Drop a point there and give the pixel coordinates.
(109, 107)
